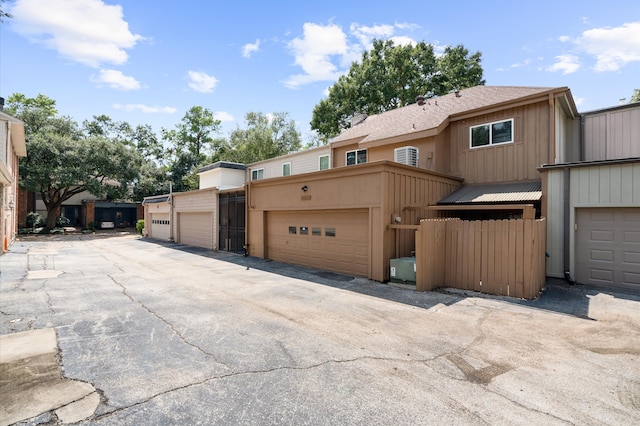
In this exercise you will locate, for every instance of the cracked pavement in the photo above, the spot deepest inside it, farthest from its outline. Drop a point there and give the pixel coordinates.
(174, 335)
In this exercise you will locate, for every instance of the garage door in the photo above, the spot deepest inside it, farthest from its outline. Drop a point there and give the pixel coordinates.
(160, 226)
(196, 229)
(608, 247)
(330, 240)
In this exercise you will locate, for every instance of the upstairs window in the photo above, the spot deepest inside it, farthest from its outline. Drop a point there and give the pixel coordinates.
(492, 133)
(323, 162)
(286, 169)
(257, 174)
(358, 156)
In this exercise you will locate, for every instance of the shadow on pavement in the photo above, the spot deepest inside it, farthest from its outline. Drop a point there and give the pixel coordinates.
(558, 295)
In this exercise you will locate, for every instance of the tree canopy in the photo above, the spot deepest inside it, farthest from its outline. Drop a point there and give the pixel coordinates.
(265, 136)
(63, 161)
(636, 96)
(391, 76)
(192, 145)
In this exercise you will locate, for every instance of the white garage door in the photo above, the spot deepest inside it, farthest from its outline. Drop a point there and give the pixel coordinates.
(160, 226)
(331, 240)
(196, 229)
(608, 247)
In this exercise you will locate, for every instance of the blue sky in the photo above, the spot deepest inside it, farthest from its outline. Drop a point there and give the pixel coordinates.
(148, 62)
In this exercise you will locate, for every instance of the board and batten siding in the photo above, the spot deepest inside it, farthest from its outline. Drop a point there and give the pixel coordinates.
(612, 134)
(508, 162)
(610, 185)
(205, 200)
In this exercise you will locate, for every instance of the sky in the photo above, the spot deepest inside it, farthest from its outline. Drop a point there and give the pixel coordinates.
(149, 61)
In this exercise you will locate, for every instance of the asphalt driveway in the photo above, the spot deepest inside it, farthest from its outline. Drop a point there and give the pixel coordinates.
(141, 332)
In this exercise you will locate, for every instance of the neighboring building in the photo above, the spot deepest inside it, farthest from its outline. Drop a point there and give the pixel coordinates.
(12, 146)
(83, 209)
(306, 161)
(593, 202)
(212, 217)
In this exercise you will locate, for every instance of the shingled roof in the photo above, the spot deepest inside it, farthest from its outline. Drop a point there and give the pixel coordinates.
(414, 121)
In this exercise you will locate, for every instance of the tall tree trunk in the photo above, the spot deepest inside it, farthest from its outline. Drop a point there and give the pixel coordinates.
(53, 211)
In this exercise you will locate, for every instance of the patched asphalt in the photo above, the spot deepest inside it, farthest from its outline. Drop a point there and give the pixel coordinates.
(158, 333)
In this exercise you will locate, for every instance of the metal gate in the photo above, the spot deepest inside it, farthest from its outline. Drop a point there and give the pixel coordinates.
(232, 221)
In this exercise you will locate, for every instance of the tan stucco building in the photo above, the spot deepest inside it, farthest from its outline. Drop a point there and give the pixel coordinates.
(12, 146)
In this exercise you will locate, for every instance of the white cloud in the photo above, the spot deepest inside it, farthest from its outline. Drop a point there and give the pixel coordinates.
(366, 35)
(146, 108)
(202, 82)
(579, 101)
(223, 116)
(564, 39)
(313, 53)
(613, 48)
(86, 31)
(566, 63)
(249, 48)
(324, 52)
(116, 80)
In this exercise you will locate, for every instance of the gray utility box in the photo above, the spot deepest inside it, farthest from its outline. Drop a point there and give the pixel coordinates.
(403, 270)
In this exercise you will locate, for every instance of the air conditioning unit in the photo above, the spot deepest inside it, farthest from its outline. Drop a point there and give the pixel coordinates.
(406, 155)
(403, 270)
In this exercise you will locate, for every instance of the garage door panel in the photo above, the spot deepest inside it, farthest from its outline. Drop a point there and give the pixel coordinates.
(608, 246)
(632, 278)
(196, 229)
(160, 227)
(330, 240)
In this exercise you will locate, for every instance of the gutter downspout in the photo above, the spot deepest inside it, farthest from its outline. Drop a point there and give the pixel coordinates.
(566, 217)
(171, 212)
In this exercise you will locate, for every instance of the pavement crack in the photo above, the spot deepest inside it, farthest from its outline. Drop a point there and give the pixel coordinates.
(171, 326)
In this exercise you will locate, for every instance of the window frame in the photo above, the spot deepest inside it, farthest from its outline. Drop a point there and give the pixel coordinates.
(288, 163)
(256, 171)
(320, 162)
(357, 157)
(490, 126)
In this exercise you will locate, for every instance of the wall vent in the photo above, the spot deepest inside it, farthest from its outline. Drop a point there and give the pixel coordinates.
(406, 155)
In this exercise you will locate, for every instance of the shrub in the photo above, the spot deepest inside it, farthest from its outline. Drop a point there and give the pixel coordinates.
(34, 220)
(62, 221)
(140, 226)
(91, 226)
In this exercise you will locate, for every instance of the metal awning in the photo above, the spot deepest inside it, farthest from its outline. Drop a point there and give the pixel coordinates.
(495, 193)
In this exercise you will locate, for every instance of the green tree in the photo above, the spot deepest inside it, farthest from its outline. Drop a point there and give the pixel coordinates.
(192, 144)
(63, 161)
(265, 136)
(636, 96)
(391, 76)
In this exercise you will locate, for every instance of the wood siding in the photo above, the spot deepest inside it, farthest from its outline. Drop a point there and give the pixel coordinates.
(517, 161)
(306, 161)
(385, 189)
(199, 201)
(504, 257)
(611, 185)
(611, 135)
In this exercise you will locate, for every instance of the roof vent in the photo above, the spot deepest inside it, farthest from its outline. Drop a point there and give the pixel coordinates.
(457, 92)
(406, 155)
(358, 118)
(420, 100)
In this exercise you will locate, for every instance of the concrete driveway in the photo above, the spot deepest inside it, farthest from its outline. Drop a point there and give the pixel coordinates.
(139, 332)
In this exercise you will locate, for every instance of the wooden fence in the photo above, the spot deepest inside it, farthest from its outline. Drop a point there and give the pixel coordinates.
(502, 257)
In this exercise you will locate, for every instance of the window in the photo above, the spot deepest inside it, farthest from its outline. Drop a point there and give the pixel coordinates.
(358, 156)
(324, 162)
(292, 229)
(286, 169)
(257, 174)
(316, 231)
(492, 133)
(329, 232)
(304, 230)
